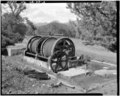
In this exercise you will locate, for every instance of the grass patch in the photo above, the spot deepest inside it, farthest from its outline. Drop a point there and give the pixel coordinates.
(16, 79)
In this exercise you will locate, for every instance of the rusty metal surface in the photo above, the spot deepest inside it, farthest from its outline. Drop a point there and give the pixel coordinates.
(46, 46)
(58, 61)
(65, 44)
(51, 47)
(30, 42)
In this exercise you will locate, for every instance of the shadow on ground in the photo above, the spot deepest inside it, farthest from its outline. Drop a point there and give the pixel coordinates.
(34, 74)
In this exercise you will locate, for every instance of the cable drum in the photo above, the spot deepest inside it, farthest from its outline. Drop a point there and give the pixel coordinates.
(32, 44)
(39, 44)
(56, 51)
(47, 45)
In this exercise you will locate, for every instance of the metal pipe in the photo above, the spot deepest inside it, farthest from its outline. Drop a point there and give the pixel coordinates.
(111, 64)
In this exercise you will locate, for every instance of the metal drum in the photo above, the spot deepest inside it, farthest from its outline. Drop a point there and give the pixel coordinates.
(32, 44)
(56, 51)
(46, 46)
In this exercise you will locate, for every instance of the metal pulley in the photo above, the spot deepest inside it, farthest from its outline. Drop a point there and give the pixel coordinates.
(58, 61)
(64, 44)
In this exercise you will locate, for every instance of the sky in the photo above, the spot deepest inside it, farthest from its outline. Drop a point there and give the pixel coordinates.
(48, 12)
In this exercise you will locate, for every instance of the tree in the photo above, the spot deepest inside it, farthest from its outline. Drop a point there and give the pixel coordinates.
(16, 9)
(54, 28)
(31, 27)
(13, 27)
(74, 28)
(96, 16)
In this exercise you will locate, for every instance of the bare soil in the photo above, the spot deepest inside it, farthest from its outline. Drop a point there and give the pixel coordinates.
(95, 52)
(17, 78)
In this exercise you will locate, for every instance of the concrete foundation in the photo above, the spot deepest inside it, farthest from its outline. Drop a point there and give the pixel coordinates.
(74, 72)
(15, 50)
(105, 72)
(69, 73)
(37, 62)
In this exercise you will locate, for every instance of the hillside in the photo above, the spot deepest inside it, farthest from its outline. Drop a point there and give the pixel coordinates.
(95, 52)
(17, 78)
(39, 24)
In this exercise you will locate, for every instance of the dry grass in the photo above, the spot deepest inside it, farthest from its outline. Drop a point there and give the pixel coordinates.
(95, 52)
(18, 79)
(15, 78)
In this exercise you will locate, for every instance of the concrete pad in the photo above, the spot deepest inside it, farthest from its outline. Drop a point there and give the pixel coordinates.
(74, 72)
(105, 68)
(37, 62)
(71, 72)
(17, 49)
(105, 72)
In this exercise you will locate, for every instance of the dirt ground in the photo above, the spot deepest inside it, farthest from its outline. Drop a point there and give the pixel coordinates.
(17, 78)
(95, 52)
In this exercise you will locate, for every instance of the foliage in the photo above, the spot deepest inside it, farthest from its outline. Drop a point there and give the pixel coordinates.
(56, 28)
(16, 9)
(13, 28)
(74, 29)
(97, 19)
(31, 27)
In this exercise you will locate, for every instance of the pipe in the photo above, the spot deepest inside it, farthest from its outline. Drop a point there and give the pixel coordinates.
(111, 64)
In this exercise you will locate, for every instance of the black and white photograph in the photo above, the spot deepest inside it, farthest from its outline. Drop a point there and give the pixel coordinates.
(59, 47)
